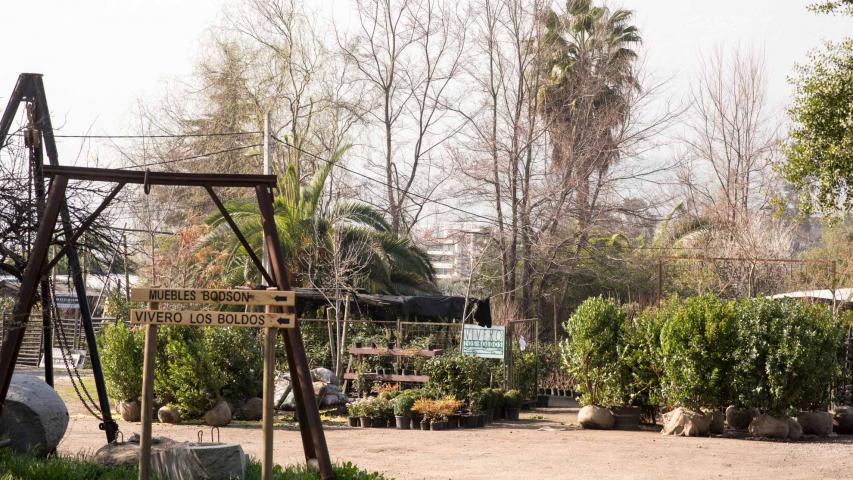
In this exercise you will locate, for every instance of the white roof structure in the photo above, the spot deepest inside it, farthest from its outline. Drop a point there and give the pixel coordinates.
(842, 295)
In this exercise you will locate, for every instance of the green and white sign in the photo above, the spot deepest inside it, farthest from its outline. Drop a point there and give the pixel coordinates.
(483, 342)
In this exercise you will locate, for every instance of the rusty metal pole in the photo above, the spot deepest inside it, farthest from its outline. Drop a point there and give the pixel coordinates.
(313, 439)
(26, 294)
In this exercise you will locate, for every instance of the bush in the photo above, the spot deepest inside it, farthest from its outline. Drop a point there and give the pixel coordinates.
(698, 343)
(403, 404)
(590, 351)
(640, 360)
(121, 349)
(512, 399)
(237, 353)
(186, 374)
(457, 375)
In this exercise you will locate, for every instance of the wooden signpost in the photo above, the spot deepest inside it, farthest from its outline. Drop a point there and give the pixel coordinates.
(272, 318)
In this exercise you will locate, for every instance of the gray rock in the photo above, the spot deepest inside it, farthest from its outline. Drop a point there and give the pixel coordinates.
(283, 388)
(168, 414)
(842, 420)
(740, 418)
(795, 431)
(815, 423)
(684, 422)
(324, 375)
(129, 411)
(34, 416)
(252, 410)
(127, 453)
(219, 415)
(330, 399)
(595, 417)
(768, 426)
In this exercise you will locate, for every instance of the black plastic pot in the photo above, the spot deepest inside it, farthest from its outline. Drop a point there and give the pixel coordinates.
(354, 421)
(403, 423)
(424, 424)
(358, 344)
(542, 401)
(627, 418)
(511, 413)
(365, 422)
(480, 420)
(442, 425)
(391, 345)
(453, 421)
(468, 421)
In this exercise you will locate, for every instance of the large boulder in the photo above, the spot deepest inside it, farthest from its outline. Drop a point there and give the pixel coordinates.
(34, 417)
(795, 431)
(842, 420)
(169, 414)
(219, 415)
(815, 423)
(324, 375)
(595, 417)
(769, 427)
(686, 423)
(252, 409)
(130, 411)
(739, 418)
(126, 454)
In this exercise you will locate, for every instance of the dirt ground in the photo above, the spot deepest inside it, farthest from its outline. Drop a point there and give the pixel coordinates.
(544, 444)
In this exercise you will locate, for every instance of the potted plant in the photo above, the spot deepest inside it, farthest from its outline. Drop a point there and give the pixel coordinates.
(497, 404)
(353, 413)
(427, 409)
(445, 408)
(590, 355)
(403, 411)
(512, 404)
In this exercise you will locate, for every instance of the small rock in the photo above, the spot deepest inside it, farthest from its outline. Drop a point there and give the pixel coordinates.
(815, 423)
(686, 423)
(842, 420)
(595, 417)
(740, 418)
(219, 415)
(169, 414)
(130, 411)
(795, 431)
(252, 410)
(769, 427)
(282, 389)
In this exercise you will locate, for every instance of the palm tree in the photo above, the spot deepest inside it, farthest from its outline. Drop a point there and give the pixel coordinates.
(588, 65)
(349, 242)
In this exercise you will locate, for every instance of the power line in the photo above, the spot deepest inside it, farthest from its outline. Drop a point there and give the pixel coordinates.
(163, 135)
(368, 177)
(194, 157)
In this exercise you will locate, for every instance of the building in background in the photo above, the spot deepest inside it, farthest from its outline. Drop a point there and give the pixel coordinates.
(454, 249)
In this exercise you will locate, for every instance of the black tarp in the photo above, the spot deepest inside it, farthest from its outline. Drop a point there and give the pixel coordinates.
(405, 307)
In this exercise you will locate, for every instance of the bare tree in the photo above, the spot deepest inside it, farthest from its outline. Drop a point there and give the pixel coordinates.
(408, 55)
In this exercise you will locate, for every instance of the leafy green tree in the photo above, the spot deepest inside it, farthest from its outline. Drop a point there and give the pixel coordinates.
(833, 6)
(121, 351)
(316, 239)
(820, 152)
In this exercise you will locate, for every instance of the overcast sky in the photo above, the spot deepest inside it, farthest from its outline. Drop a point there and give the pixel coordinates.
(99, 58)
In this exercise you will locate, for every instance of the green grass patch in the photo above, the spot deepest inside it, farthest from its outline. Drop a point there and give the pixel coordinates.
(27, 467)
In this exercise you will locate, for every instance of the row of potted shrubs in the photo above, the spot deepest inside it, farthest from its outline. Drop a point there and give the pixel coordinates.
(416, 409)
(705, 353)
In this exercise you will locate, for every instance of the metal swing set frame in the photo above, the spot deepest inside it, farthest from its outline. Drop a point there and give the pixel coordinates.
(30, 89)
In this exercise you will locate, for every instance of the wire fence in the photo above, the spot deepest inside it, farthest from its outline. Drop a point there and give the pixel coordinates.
(32, 346)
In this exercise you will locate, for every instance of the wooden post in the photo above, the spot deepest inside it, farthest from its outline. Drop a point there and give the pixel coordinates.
(150, 356)
(268, 394)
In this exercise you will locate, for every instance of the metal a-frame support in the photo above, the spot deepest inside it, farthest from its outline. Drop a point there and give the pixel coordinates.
(311, 428)
(30, 89)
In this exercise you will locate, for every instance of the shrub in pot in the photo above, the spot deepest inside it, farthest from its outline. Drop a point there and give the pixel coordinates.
(512, 404)
(121, 359)
(698, 342)
(354, 411)
(403, 410)
(590, 355)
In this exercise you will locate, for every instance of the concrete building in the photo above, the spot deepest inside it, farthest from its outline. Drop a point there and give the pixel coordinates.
(454, 249)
